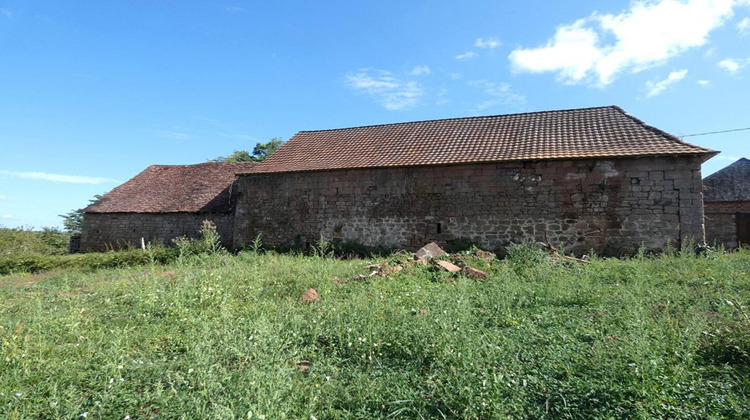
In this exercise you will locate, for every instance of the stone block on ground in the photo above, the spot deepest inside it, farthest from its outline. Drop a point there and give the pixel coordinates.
(474, 273)
(448, 266)
(428, 251)
(310, 295)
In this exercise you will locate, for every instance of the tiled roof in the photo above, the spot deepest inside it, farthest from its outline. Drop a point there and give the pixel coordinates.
(576, 133)
(203, 188)
(729, 184)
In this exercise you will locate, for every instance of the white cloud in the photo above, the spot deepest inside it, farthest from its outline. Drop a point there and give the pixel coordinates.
(420, 70)
(7, 216)
(655, 88)
(704, 83)
(456, 76)
(646, 35)
(500, 94)
(733, 65)
(487, 43)
(744, 26)
(174, 134)
(466, 55)
(2, 197)
(235, 9)
(72, 179)
(392, 93)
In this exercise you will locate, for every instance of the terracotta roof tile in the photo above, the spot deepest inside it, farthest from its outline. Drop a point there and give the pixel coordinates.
(576, 133)
(729, 184)
(201, 188)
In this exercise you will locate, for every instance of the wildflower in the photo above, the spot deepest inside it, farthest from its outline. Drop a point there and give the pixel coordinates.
(328, 378)
(18, 394)
(127, 417)
(84, 414)
(53, 404)
(119, 366)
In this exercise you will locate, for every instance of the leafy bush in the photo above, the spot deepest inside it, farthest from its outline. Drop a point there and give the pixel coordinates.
(48, 241)
(209, 242)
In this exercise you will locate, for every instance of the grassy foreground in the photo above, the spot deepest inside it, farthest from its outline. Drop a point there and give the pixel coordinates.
(226, 337)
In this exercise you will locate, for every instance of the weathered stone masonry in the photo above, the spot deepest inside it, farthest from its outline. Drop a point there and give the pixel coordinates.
(102, 231)
(722, 221)
(612, 206)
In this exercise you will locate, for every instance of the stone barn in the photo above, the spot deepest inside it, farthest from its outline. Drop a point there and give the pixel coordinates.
(582, 179)
(727, 205)
(164, 202)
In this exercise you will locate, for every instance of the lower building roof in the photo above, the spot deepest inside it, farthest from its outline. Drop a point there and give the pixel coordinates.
(729, 184)
(200, 188)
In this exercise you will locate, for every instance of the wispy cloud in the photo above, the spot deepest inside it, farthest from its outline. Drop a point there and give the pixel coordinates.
(648, 34)
(744, 26)
(72, 179)
(421, 70)
(499, 93)
(7, 13)
(734, 65)
(727, 158)
(389, 91)
(487, 43)
(2, 197)
(655, 88)
(704, 83)
(238, 136)
(6, 216)
(174, 134)
(235, 9)
(466, 55)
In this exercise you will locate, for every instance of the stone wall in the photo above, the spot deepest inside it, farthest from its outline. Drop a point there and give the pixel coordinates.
(102, 231)
(611, 206)
(721, 221)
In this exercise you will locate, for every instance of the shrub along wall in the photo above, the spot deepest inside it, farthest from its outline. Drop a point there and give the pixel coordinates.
(103, 231)
(611, 206)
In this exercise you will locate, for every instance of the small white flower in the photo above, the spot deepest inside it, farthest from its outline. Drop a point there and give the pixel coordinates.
(53, 404)
(328, 378)
(84, 414)
(18, 394)
(127, 417)
(119, 366)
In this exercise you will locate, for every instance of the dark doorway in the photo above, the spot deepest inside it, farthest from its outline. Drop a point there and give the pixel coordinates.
(743, 228)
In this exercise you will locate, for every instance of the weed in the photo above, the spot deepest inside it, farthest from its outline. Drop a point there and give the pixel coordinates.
(226, 336)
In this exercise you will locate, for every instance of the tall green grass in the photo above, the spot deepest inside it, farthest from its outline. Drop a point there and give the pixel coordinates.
(222, 336)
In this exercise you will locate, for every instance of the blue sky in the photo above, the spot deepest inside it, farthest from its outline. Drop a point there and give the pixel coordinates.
(91, 93)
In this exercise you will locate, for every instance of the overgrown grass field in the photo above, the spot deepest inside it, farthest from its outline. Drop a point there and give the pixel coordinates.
(225, 336)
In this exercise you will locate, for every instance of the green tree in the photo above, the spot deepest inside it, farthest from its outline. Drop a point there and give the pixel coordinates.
(73, 220)
(260, 152)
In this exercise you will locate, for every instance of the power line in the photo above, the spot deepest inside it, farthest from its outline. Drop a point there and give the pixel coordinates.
(716, 132)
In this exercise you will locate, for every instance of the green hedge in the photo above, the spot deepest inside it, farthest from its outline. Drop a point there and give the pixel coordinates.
(33, 263)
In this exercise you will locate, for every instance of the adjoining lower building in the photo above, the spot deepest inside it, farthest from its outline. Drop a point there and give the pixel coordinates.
(594, 179)
(727, 205)
(162, 203)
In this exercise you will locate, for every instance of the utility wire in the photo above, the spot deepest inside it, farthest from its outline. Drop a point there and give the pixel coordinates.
(716, 132)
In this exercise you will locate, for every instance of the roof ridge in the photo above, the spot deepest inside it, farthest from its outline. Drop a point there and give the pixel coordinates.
(549, 111)
(202, 163)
